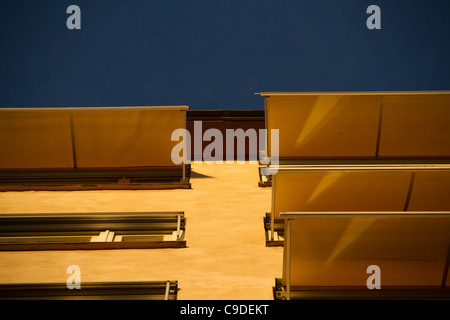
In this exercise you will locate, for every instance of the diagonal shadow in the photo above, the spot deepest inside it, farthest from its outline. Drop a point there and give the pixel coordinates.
(200, 175)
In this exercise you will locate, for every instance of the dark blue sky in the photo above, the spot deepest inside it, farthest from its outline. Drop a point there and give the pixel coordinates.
(216, 54)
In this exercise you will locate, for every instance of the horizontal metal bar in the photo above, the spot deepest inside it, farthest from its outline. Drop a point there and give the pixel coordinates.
(45, 239)
(95, 178)
(119, 108)
(91, 290)
(356, 168)
(352, 93)
(86, 229)
(362, 293)
(148, 244)
(72, 222)
(293, 215)
(89, 173)
(76, 230)
(94, 215)
(390, 167)
(286, 162)
(154, 185)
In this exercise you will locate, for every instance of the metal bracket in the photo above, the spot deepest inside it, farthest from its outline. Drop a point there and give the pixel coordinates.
(279, 291)
(106, 236)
